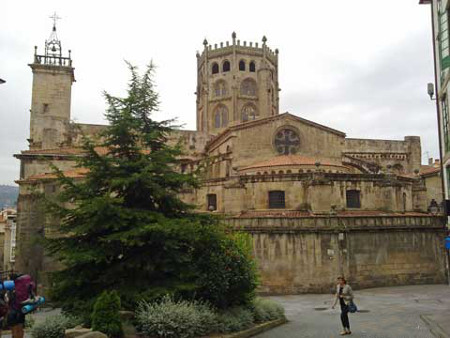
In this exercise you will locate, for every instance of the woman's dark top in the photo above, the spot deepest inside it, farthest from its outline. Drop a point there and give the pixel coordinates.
(341, 300)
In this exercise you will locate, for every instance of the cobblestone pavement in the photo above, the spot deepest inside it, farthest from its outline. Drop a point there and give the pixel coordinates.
(392, 312)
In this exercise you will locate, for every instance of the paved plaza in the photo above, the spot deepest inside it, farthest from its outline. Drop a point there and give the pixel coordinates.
(393, 312)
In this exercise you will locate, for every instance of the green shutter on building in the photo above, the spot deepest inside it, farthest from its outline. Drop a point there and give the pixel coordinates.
(444, 51)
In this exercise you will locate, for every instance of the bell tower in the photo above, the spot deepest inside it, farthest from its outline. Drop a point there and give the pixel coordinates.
(53, 76)
(236, 82)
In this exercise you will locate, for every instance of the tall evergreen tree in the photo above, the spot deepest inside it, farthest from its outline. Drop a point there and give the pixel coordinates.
(123, 227)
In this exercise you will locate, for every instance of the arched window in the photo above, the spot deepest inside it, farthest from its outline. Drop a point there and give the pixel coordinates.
(249, 113)
(248, 87)
(220, 88)
(252, 66)
(221, 117)
(217, 119)
(226, 66)
(215, 68)
(242, 65)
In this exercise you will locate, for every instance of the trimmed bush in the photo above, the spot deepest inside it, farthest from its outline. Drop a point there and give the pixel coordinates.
(106, 316)
(170, 318)
(265, 310)
(54, 326)
(228, 275)
(234, 319)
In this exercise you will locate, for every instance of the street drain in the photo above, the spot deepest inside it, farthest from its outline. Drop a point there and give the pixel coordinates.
(320, 308)
(363, 311)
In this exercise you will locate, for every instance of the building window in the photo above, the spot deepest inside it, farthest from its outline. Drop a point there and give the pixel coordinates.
(353, 199)
(242, 65)
(252, 66)
(444, 52)
(215, 68)
(45, 108)
(211, 200)
(287, 142)
(447, 171)
(445, 126)
(220, 88)
(217, 119)
(248, 87)
(276, 200)
(248, 113)
(221, 117)
(226, 66)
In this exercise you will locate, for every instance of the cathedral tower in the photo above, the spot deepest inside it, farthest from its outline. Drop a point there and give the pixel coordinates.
(236, 83)
(53, 76)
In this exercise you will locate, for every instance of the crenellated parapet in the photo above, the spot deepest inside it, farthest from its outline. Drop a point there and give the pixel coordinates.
(237, 46)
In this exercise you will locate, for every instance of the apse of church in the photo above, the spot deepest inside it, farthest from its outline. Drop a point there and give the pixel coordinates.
(236, 82)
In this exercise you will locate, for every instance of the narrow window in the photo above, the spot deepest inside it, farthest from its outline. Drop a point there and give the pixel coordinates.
(276, 200)
(220, 88)
(242, 65)
(226, 66)
(353, 199)
(45, 108)
(252, 67)
(215, 68)
(211, 200)
(217, 119)
(221, 116)
(248, 113)
(224, 117)
(248, 87)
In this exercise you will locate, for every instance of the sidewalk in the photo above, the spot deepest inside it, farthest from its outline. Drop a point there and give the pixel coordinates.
(421, 311)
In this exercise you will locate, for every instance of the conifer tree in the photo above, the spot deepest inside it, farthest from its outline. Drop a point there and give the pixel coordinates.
(123, 227)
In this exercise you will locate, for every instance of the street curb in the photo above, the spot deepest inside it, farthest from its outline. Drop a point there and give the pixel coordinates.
(256, 329)
(434, 327)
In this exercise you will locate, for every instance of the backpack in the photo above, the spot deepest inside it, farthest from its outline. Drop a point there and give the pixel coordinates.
(24, 289)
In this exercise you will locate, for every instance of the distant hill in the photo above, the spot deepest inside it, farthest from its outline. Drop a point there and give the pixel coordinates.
(8, 196)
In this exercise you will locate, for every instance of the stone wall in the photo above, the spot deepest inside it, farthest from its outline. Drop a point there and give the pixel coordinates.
(300, 255)
(404, 155)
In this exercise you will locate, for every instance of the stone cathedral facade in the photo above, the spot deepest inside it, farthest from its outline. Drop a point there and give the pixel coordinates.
(317, 203)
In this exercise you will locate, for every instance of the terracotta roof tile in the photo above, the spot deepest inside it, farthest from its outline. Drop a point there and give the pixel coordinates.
(301, 214)
(288, 160)
(63, 151)
(75, 173)
(427, 170)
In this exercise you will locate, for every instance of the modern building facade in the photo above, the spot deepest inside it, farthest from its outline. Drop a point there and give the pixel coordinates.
(440, 18)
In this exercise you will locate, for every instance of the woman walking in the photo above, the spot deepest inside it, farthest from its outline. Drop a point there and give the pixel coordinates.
(344, 294)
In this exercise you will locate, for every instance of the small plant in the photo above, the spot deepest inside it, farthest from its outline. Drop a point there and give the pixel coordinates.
(29, 322)
(106, 316)
(265, 310)
(54, 326)
(235, 319)
(170, 318)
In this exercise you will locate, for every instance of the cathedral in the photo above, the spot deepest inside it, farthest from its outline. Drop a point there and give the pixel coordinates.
(317, 203)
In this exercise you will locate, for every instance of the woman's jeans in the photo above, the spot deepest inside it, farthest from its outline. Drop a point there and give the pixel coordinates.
(344, 317)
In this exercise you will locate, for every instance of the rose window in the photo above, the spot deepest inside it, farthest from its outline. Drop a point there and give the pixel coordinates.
(287, 142)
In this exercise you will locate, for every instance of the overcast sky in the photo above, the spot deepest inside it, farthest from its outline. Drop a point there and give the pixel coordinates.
(358, 66)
